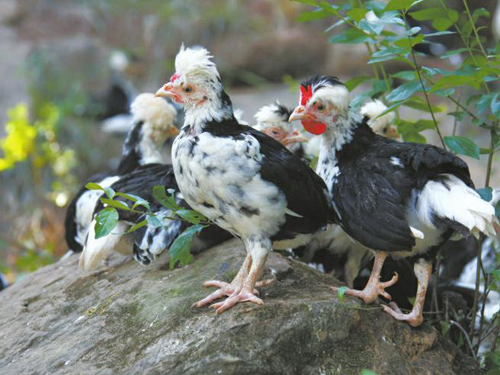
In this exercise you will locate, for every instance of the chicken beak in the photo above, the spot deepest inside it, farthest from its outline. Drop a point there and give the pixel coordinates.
(173, 131)
(301, 114)
(293, 137)
(393, 133)
(165, 91)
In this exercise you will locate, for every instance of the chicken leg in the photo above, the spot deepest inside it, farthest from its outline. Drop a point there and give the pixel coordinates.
(226, 289)
(258, 251)
(374, 287)
(423, 272)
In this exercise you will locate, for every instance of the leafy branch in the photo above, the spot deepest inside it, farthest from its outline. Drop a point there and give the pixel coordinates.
(107, 218)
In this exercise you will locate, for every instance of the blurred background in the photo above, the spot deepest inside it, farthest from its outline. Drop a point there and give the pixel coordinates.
(69, 67)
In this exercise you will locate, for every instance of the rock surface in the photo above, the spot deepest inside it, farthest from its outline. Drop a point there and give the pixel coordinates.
(128, 319)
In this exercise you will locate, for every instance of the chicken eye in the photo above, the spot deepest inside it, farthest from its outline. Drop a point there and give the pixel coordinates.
(188, 89)
(321, 107)
(275, 132)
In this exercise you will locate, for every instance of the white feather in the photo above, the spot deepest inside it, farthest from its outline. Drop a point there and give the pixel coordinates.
(97, 249)
(460, 203)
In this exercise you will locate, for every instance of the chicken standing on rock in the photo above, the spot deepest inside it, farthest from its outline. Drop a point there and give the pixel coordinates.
(347, 253)
(243, 180)
(153, 125)
(397, 198)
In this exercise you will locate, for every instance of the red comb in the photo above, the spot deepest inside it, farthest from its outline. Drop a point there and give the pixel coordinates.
(174, 77)
(305, 94)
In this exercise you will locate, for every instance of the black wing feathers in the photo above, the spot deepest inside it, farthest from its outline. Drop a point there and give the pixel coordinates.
(378, 177)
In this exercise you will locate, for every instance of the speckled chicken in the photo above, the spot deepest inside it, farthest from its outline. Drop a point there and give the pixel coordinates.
(243, 180)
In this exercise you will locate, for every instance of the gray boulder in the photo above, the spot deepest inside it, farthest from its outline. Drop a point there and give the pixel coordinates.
(128, 319)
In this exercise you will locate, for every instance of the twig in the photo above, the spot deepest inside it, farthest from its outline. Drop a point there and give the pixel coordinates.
(490, 156)
(474, 28)
(483, 306)
(452, 322)
(417, 69)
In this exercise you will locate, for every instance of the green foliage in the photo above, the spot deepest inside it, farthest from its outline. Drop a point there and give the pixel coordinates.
(465, 92)
(462, 146)
(106, 221)
(341, 293)
(107, 218)
(373, 23)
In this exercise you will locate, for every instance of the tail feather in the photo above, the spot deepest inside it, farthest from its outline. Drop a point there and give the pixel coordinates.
(453, 200)
(97, 249)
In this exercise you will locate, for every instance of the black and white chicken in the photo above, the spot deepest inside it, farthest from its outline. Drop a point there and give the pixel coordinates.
(348, 255)
(241, 179)
(396, 198)
(153, 125)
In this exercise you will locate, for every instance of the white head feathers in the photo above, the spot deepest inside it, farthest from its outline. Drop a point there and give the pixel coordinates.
(195, 63)
(153, 110)
(380, 124)
(272, 115)
(337, 95)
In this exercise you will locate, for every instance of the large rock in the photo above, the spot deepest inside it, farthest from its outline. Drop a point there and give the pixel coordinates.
(128, 319)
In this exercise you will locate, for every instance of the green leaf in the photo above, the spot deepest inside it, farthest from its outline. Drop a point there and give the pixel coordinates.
(462, 146)
(350, 36)
(137, 226)
(356, 81)
(341, 293)
(93, 186)
(404, 91)
(180, 250)
(421, 105)
(386, 54)
(138, 201)
(314, 15)
(406, 43)
(445, 327)
(481, 12)
(407, 75)
(192, 216)
(442, 24)
(357, 14)
(495, 104)
(486, 193)
(106, 221)
(453, 81)
(162, 198)
(153, 221)
(414, 137)
(459, 115)
(453, 15)
(399, 4)
(109, 192)
(428, 14)
(116, 204)
(366, 371)
(307, 2)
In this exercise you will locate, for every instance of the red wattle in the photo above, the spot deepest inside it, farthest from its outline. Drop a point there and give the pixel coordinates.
(316, 128)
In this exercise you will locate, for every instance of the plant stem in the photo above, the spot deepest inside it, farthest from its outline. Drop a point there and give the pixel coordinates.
(466, 337)
(474, 28)
(490, 155)
(417, 69)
